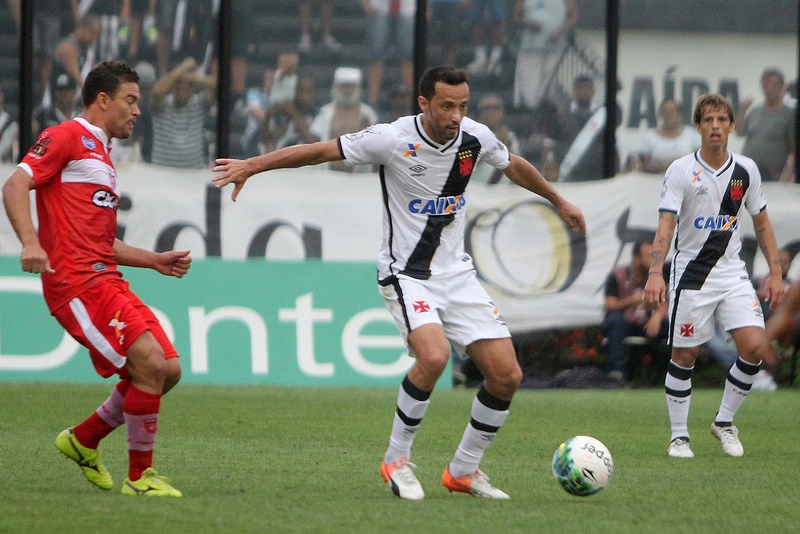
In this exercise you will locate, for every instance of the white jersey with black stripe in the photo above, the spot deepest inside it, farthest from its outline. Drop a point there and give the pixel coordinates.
(709, 203)
(423, 185)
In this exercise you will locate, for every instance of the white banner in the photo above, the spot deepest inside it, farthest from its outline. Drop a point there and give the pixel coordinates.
(540, 274)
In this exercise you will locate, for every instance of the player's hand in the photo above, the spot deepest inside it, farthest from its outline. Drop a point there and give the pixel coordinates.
(34, 259)
(233, 171)
(173, 263)
(573, 217)
(773, 290)
(655, 291)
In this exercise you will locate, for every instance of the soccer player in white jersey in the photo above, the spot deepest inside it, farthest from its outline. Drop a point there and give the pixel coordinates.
(426, 278)
(703, 196)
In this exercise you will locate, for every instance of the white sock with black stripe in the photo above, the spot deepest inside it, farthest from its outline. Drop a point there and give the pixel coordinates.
(678, 387)
(740, 379)
(488, 415)
(412, 403)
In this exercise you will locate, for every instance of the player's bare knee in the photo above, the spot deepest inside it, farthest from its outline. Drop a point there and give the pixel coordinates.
(173, 374)
(433, 362)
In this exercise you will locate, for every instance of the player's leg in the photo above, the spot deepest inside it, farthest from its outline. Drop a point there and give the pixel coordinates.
(414, 307)
(751, 344)
(745, 323)
(678, 391)
(149, 370)
(88, 320)
(475, 327)
(497, 361)
(428, 344)
(691, 324)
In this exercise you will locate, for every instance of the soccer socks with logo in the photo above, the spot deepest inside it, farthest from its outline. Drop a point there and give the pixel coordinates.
(678, 386)
(737, 386)
(105, 419)
(140, 410)
(488, 415)
(412, 403)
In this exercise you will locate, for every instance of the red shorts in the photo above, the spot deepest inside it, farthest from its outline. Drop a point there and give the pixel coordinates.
(106, 319)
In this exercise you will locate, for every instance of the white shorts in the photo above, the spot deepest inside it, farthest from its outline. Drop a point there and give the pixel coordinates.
(458, 303)
(692, 312)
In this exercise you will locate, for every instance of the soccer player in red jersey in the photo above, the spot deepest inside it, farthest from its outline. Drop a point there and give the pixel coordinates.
(77, 254)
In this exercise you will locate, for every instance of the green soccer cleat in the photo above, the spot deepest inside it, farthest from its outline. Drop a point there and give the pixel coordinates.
(87, 459)
(151, 483)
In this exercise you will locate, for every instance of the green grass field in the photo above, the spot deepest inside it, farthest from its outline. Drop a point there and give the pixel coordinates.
(268, 459)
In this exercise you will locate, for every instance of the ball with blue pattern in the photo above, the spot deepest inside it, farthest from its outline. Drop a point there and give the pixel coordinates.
(582, 465)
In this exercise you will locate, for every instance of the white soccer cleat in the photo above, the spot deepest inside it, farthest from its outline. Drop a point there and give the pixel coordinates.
(476, 484)
(400, 475)
(679, 448)
(728, 436)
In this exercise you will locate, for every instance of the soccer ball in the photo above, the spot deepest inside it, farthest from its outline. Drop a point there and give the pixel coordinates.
(582, 465)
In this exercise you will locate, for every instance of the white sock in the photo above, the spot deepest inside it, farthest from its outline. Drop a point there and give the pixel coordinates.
(412, 403)
(678, 387)
(488, 415)
(737, 385)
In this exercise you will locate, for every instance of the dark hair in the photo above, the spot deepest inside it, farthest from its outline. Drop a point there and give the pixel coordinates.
(446, 74)
(715, 102)
(106, 78)
(637, 246)
(583, 78)
(772, 71)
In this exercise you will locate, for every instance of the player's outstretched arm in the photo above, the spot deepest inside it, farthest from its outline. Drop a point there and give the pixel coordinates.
(171, 263)
(237, 171)
(17, 201)
(525, 175)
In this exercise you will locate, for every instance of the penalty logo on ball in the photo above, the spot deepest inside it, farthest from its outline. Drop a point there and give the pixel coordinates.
(582, 465)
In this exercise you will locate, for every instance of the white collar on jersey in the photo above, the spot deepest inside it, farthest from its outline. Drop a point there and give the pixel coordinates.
(95, 131)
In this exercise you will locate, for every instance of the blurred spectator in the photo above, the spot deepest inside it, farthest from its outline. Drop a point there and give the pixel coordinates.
(790, 95)
(143, 131)
(491, 112)
(390, 23)
(185, 29)
(180, 102)
(257, 103)
(783, 327)
(109, 12)
(325, 8)
(668, 141)
(288, 122)
(76, 53)
(138, 30)
(540, 142)
(578, 151)
(544, 26)
(625, 313)
(9, 133)
(61, 109)
(48, 27)
(399, 104)
(284, 82)
(769, 130)
(487, 20)
(445, 27)
(346, 113)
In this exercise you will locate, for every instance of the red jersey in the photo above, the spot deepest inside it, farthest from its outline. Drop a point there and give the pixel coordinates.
(76, 202)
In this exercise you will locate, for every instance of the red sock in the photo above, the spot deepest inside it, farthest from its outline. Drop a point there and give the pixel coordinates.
(104, 420)
(141, 418)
